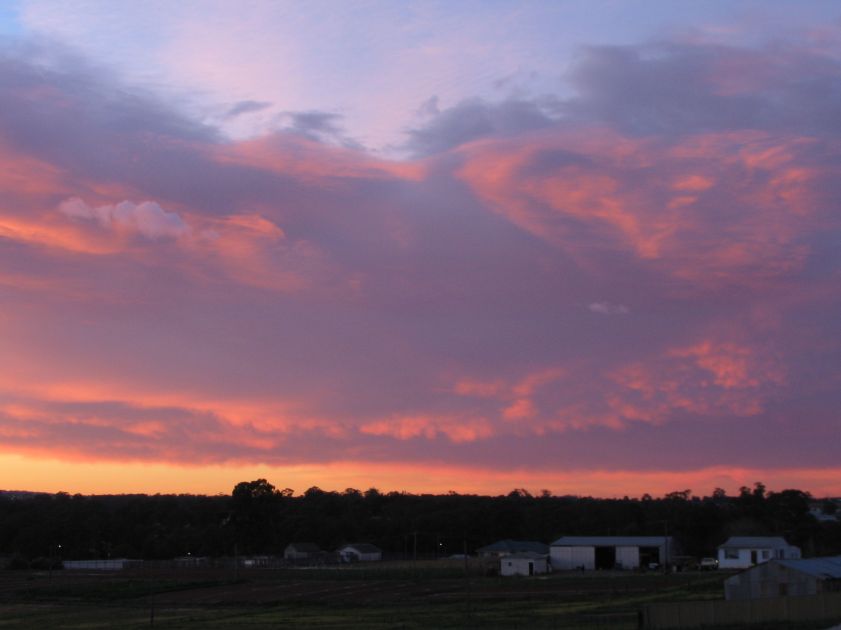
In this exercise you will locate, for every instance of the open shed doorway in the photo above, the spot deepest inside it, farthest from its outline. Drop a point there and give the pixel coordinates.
(650, 556)
(605, 557)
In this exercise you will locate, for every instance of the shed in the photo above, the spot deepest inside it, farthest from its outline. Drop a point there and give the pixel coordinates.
(782, 578)
(360, 552)
(507, 547)
(741, 552)
(525, 563)
(610, 552)
(301, 551)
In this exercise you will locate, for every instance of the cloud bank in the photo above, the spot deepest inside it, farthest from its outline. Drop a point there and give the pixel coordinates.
(641, 276)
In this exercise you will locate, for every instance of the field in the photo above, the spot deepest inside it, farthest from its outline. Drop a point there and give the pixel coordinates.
(431, 595)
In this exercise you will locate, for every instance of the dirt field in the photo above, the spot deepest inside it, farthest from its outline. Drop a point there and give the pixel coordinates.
(388, 596)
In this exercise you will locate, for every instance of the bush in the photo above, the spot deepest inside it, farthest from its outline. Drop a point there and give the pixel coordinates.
(16, 563)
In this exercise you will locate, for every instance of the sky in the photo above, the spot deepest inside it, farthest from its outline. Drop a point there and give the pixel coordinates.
(593, 248)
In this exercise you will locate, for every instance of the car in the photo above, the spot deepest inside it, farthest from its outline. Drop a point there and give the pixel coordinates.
(708, 564)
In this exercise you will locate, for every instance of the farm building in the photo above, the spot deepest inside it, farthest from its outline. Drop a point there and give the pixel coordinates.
(610, 552)
(782, 578)
(525, 563)
(507, 547)
(302, 551)
(360, 552)
(742, 552)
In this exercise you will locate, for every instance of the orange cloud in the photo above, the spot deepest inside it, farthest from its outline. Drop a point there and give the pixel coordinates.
(49, 233)
(679, 379)
(733, 366)
(457, 430)
(469, 387)
(254, 251)
(520, 409)
(714, 208)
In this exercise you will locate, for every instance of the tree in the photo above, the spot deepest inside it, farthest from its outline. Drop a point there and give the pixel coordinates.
(255, 505)
(246, 491)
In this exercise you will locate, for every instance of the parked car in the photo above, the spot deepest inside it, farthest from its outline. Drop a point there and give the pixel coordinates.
(708, 564)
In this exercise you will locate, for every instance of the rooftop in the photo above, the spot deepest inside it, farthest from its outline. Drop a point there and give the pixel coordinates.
(755, 542)
(828, 567)
(610, 541)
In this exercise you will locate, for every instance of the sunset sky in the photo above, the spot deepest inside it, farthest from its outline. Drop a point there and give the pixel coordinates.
(589, 247)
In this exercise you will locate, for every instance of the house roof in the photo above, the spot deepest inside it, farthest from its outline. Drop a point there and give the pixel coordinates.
(827, 567)
(755, 542)
(304, 547)
(515, 546)
(362, 547)
(611, 541)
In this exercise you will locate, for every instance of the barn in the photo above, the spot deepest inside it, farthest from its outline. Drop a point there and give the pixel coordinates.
(610, 552)
(782, 578)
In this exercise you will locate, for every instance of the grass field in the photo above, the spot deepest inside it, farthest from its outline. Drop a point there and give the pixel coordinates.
(388, 596)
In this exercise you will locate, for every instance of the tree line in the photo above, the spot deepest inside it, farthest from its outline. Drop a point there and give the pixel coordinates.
(258, 518)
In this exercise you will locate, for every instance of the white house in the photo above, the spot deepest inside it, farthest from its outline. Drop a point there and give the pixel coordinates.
(360, 552)
(610, 552)
(301, 551)
(784, 578)
(741, 552)
(525, 563)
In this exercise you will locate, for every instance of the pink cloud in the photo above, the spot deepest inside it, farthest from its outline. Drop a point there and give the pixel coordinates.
(615, 185)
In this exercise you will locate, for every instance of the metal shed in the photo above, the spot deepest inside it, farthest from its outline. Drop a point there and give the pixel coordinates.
(610, 552)
(782, 578)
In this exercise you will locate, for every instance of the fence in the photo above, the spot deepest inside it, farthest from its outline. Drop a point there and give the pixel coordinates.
(700, 614)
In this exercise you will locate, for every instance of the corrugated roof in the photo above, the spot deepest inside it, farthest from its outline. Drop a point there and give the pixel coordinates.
(610, 541)
(828, 567)
(515, 546)
(755, 542)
